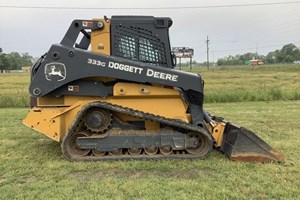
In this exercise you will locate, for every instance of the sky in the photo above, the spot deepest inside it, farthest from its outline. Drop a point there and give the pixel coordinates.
(231, 30)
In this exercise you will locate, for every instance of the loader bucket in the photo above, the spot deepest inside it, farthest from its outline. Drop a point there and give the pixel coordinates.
(242, 144)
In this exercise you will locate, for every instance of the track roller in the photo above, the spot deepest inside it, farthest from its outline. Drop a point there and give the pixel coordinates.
(116, 152)
(98, 153)
(151, 151)
(134, 151)
(166, 150)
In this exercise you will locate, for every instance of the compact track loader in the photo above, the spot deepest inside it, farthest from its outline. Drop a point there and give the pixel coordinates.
(109, 91)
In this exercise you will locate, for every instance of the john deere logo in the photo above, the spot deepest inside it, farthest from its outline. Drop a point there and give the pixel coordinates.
(55, 71)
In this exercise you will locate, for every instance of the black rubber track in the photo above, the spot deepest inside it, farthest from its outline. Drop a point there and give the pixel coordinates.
(171, 122)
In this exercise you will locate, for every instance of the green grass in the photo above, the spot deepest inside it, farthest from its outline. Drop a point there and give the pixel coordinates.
(32, 166)
(222, 84)
(251, 83)
(14, 90)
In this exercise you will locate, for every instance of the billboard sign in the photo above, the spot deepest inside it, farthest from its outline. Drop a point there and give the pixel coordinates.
(183, 52)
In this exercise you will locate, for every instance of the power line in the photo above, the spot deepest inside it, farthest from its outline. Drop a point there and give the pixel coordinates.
(151, 8)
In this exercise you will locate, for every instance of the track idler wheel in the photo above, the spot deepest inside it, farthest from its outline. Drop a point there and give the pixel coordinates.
(97, 120)
(72, 149)
(201, 143)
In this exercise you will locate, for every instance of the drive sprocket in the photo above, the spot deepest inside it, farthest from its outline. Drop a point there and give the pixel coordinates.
(97, 120)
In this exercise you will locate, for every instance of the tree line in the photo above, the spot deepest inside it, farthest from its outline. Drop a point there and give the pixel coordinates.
(287, 54)
(14, 60)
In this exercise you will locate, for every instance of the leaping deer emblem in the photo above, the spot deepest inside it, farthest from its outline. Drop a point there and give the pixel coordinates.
(55, 73)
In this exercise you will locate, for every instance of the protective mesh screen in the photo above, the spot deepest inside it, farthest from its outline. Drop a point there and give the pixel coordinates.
(139, 44)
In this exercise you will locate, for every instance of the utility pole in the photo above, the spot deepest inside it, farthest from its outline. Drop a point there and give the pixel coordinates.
(180, 63)
(256, 50)
(207, 52)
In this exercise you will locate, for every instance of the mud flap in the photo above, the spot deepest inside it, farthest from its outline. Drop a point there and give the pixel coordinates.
(242, 144)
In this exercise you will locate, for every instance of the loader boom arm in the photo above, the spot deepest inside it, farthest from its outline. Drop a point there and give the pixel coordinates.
(73, 60)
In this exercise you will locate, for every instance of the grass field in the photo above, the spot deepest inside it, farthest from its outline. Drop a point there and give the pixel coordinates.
(14, 90)
(222, 84)
(32, 166)
(251, 83)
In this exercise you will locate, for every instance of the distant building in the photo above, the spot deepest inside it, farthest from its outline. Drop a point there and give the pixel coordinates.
(256, 62)
(26, 69)
(296, 62)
